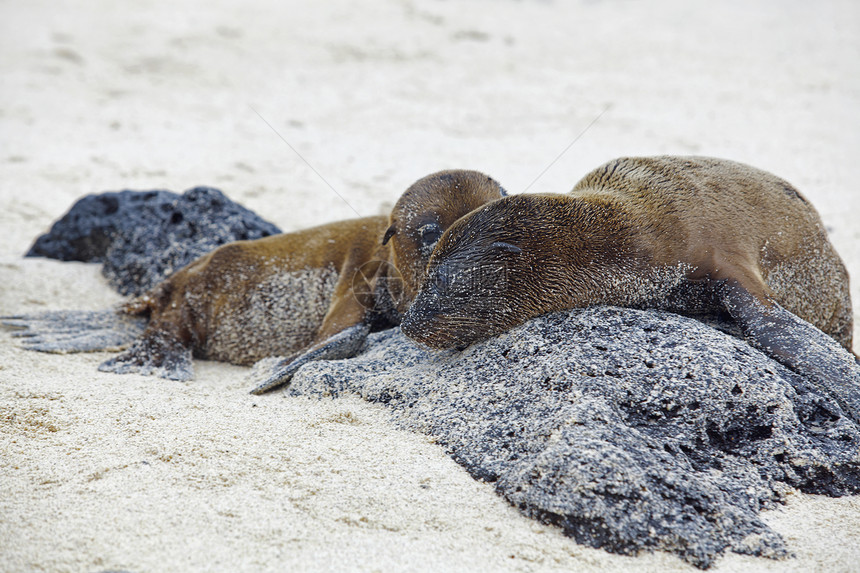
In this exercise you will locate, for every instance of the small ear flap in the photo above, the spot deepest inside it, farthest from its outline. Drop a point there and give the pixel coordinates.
(392, 230)
(506, 247)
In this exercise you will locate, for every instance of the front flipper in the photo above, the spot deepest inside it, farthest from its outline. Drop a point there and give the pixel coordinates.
(154, 354)
(344, 344)
(66, 331)
(798, 345)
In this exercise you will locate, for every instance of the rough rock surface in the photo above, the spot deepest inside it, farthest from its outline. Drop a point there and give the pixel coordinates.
(629, 429)
(144, 236)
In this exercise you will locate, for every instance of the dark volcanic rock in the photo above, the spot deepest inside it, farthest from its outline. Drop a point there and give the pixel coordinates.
(144, 236)
(629, 429)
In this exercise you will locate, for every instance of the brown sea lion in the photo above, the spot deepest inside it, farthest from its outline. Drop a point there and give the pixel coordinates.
(693, 235)
(309, 295)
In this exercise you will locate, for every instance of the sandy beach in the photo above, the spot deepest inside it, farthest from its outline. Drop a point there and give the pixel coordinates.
(313, 112)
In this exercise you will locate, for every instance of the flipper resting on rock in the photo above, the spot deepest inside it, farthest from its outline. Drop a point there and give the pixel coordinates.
(799, 346)
(275, 372)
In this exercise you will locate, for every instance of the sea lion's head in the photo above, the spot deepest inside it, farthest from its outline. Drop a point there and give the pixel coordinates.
(487, 274)
(517, 258)
(423, 213)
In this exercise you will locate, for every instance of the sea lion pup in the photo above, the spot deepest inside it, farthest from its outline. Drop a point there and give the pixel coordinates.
(388, 282)
(309, 295)
(693, 235)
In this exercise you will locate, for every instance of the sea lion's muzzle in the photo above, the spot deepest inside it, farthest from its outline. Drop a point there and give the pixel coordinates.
(440, 330)
(418, 325)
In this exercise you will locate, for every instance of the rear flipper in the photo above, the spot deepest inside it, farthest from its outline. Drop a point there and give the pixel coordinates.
(798, 345)
(344, 344)
(66, 331)
(154, 354)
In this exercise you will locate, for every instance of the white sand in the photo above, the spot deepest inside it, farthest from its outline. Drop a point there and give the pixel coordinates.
(100, 471)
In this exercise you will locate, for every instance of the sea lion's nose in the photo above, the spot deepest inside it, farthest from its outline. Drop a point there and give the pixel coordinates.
(411, 324)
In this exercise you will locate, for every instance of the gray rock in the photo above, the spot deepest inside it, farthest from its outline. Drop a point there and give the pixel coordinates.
(631, 430)
(144, 236)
